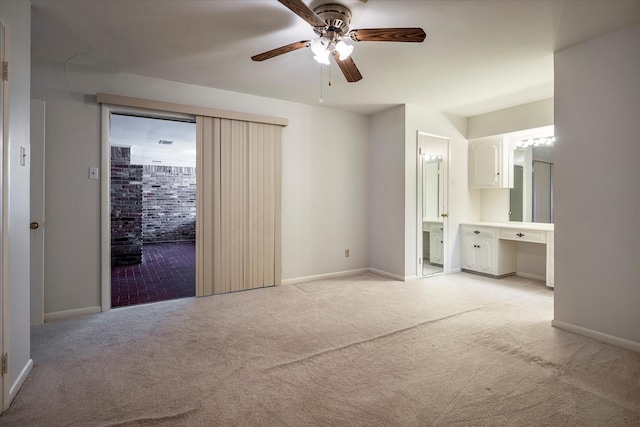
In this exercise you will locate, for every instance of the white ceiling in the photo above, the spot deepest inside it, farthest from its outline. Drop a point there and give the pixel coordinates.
(143, 136)
(479, 56)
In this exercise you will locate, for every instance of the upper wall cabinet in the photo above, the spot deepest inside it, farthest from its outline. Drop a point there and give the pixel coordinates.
(490, 163)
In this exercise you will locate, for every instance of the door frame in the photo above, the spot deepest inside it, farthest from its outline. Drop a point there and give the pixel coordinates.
(5, 397)
(445, 204)
(105, 187)
(37, 210)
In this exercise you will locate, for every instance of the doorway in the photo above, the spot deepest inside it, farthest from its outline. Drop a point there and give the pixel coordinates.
(432, 203)
(153, 208)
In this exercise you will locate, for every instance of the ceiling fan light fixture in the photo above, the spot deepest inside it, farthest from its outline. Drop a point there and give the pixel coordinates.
(319, 46)
(344, 50)
(320, 49)
(323, 58)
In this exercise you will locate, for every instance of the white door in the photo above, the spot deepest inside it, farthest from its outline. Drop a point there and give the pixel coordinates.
(3, 391)
(37, 211)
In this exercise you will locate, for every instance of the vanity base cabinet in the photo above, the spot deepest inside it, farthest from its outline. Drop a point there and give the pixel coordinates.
(492, 248)
(436, 244)
(484, 253)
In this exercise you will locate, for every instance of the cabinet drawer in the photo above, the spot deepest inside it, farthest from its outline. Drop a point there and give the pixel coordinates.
(435, 227)
(532, 236)
(473, 230)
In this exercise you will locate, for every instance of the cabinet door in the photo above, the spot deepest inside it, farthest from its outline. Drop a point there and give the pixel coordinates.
(436, 247)
(469, 253)
(486, 256)
(490, 164)
(485, 164)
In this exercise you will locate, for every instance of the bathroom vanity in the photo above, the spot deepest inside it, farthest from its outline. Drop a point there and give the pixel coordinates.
(491, 248)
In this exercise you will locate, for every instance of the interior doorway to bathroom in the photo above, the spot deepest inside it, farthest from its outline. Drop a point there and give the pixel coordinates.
(432, 204)
(153, 208)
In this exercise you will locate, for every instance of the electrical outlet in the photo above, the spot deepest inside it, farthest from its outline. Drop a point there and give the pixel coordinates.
(346, 253)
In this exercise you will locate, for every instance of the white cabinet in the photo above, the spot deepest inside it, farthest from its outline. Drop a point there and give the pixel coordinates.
(490, 163)
(436, 244)
(483, 252)
(479, 254)
(492, 248)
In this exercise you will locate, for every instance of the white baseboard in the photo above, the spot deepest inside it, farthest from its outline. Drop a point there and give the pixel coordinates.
(66, 314)
(305, 279)
(387, 274)
(531, 276)
(15, 387)
(620, 342)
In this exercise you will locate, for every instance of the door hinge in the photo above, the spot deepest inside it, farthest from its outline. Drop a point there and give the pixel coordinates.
(5, 363)
(5, 71)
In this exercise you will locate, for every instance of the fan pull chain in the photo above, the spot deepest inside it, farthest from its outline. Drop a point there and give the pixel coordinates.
(321, 99)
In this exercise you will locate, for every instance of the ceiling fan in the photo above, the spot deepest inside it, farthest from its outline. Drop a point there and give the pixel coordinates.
(331, 23)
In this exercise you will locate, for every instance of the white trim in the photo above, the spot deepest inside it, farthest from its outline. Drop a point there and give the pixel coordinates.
(414, 277)
(620, 342)
(105, 181)
(305, 279)
(4, 244)
(104, 98)
(67, 314)
(387, 274)
(15, 388)
(105, 214)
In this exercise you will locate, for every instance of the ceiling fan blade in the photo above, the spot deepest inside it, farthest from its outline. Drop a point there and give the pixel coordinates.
(301, 9)
(348, 68)
(407, 35)
(280, 50)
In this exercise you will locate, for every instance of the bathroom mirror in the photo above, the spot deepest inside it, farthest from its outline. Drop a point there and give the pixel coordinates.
(432, 191)
(531, 198)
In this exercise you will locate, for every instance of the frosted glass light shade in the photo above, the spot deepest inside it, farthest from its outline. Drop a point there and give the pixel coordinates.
(344, 50)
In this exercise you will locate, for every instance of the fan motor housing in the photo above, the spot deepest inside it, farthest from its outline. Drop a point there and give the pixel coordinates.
(336, 16)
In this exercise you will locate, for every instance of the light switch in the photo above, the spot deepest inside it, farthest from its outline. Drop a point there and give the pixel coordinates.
(93, 173)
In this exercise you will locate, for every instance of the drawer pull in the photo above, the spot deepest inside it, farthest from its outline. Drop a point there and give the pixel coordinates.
(520, 235)
(476, 231)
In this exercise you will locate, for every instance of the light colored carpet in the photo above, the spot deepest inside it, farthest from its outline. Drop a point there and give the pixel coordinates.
(450, 350)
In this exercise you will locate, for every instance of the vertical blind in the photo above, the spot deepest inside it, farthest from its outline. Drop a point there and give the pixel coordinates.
(238, 227)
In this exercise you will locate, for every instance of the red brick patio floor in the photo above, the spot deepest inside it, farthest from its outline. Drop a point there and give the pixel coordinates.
(167, 271)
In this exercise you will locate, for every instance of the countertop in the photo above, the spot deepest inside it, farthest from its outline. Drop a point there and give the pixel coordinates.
(519, 225)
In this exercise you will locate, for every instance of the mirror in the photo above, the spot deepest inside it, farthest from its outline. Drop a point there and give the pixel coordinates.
(432, 173)
(531, 198)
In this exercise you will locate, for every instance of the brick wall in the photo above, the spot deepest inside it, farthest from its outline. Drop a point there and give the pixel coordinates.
(168, 204)
(126, 209)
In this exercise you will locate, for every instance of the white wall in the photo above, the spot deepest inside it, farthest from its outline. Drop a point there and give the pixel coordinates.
(386, 234)
(597, 199)
(521, 117)
(460, 199)
(325, 177)
(16, 17)
(394, 221)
